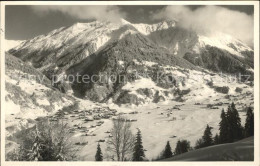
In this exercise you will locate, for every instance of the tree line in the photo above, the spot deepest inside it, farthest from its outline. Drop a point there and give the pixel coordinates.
(230, 130)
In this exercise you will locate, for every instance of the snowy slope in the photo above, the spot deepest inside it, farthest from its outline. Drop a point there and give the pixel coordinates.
(146, 29)
(219, 40)
(223, 41)
(227, 152)
(28, 94)
(95, 32)
(12, 44)
(79, 33)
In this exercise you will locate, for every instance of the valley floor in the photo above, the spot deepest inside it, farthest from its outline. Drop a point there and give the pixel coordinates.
(157, 127)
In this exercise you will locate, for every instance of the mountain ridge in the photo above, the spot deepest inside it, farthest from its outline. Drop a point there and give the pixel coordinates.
(105, 47)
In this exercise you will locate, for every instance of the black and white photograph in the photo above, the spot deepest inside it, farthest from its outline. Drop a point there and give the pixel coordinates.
(130, 82)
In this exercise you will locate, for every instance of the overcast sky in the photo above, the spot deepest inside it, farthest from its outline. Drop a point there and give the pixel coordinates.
(25, 22)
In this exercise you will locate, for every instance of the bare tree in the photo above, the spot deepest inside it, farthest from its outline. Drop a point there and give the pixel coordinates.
(122, 140)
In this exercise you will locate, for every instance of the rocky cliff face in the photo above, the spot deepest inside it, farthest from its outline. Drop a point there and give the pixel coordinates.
(177, 40)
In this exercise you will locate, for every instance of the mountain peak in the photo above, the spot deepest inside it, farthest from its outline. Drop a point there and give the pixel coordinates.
(123, 21)
(169, 23)
(224, 41)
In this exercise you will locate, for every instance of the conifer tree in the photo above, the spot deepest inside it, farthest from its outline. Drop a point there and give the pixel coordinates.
(178, 148)
(249, 125)
(216, 139)
(235, 129)
(224, 135)
(238, 133)
(167, 153)
(182, 147)
(207, 137)
(99, 155)
(230, 121)
(199, 144)
(138, 154)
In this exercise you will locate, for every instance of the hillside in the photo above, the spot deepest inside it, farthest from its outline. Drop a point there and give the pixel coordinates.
(219, 53)
(28, 95)
(242, 150)
(125, 58)
(219, 60)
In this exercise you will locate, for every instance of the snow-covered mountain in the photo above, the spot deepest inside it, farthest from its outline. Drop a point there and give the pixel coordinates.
(223, 41)
(97, 33)
(90, 31)
(123, 48)
(66, 46)
(147, 29)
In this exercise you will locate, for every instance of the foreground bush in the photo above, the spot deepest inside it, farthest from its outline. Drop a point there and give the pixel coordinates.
(46, 141)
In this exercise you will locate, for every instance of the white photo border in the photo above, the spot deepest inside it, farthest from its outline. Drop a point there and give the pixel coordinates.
(92, 163)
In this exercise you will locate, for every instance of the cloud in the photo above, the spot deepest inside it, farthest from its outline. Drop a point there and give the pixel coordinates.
(103, 13)
(211, 19)
(140, 11)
